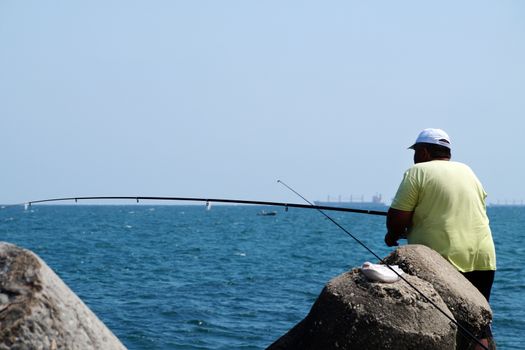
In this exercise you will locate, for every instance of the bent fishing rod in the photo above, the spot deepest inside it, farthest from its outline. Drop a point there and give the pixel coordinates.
(451, 319)
(212, 200)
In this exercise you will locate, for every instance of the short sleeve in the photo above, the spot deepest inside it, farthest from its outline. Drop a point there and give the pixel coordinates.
(408, 193)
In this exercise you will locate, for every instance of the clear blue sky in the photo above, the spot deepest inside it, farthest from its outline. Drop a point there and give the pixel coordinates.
(222, 98)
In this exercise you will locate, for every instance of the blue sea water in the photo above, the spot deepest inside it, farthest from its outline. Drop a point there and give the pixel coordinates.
(182, 277)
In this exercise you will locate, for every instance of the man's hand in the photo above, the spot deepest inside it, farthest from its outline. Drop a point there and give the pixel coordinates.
(397, 225)
(391, 240)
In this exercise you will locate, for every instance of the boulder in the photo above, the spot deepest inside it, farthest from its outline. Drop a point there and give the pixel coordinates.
(467, 304)
(355, 313)
(38, 311)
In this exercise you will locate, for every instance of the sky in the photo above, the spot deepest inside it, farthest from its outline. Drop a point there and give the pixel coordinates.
(220, 99)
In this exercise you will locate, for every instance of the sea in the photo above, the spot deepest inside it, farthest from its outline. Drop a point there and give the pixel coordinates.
(184, 277)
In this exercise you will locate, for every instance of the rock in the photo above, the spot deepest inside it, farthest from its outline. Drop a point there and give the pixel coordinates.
(467, 304)
(355, 313)
(38, 311)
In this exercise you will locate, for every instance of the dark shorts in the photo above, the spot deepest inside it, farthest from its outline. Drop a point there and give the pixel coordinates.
(482, 280)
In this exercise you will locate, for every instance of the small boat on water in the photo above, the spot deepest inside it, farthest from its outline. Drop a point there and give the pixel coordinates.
(267, 213)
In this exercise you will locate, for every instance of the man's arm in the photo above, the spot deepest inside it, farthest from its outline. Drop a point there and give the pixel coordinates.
(397, 224)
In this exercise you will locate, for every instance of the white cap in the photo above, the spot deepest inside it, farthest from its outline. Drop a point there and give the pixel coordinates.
(433, 136)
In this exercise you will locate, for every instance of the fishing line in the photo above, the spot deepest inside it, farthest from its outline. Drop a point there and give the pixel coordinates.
(463, 329)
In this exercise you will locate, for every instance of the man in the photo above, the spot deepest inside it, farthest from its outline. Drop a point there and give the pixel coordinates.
(441, 204)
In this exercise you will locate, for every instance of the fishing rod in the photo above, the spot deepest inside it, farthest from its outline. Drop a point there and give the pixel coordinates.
(462, 328)
(213, 200)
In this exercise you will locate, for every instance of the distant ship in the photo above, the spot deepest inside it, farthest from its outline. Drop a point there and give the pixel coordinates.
(376, 201)
(267, 213)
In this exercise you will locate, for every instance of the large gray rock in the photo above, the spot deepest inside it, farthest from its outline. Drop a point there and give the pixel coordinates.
(355, 313)
(38, 311)
(467, 304)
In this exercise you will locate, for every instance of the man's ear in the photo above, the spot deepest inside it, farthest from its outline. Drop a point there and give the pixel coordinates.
(426, 154)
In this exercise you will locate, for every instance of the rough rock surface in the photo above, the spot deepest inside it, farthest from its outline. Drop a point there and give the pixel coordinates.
(355, 313)
(467, 304)
(38, 311)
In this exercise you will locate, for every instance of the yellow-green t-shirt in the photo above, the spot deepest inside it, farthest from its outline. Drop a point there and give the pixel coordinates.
(450, 217)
